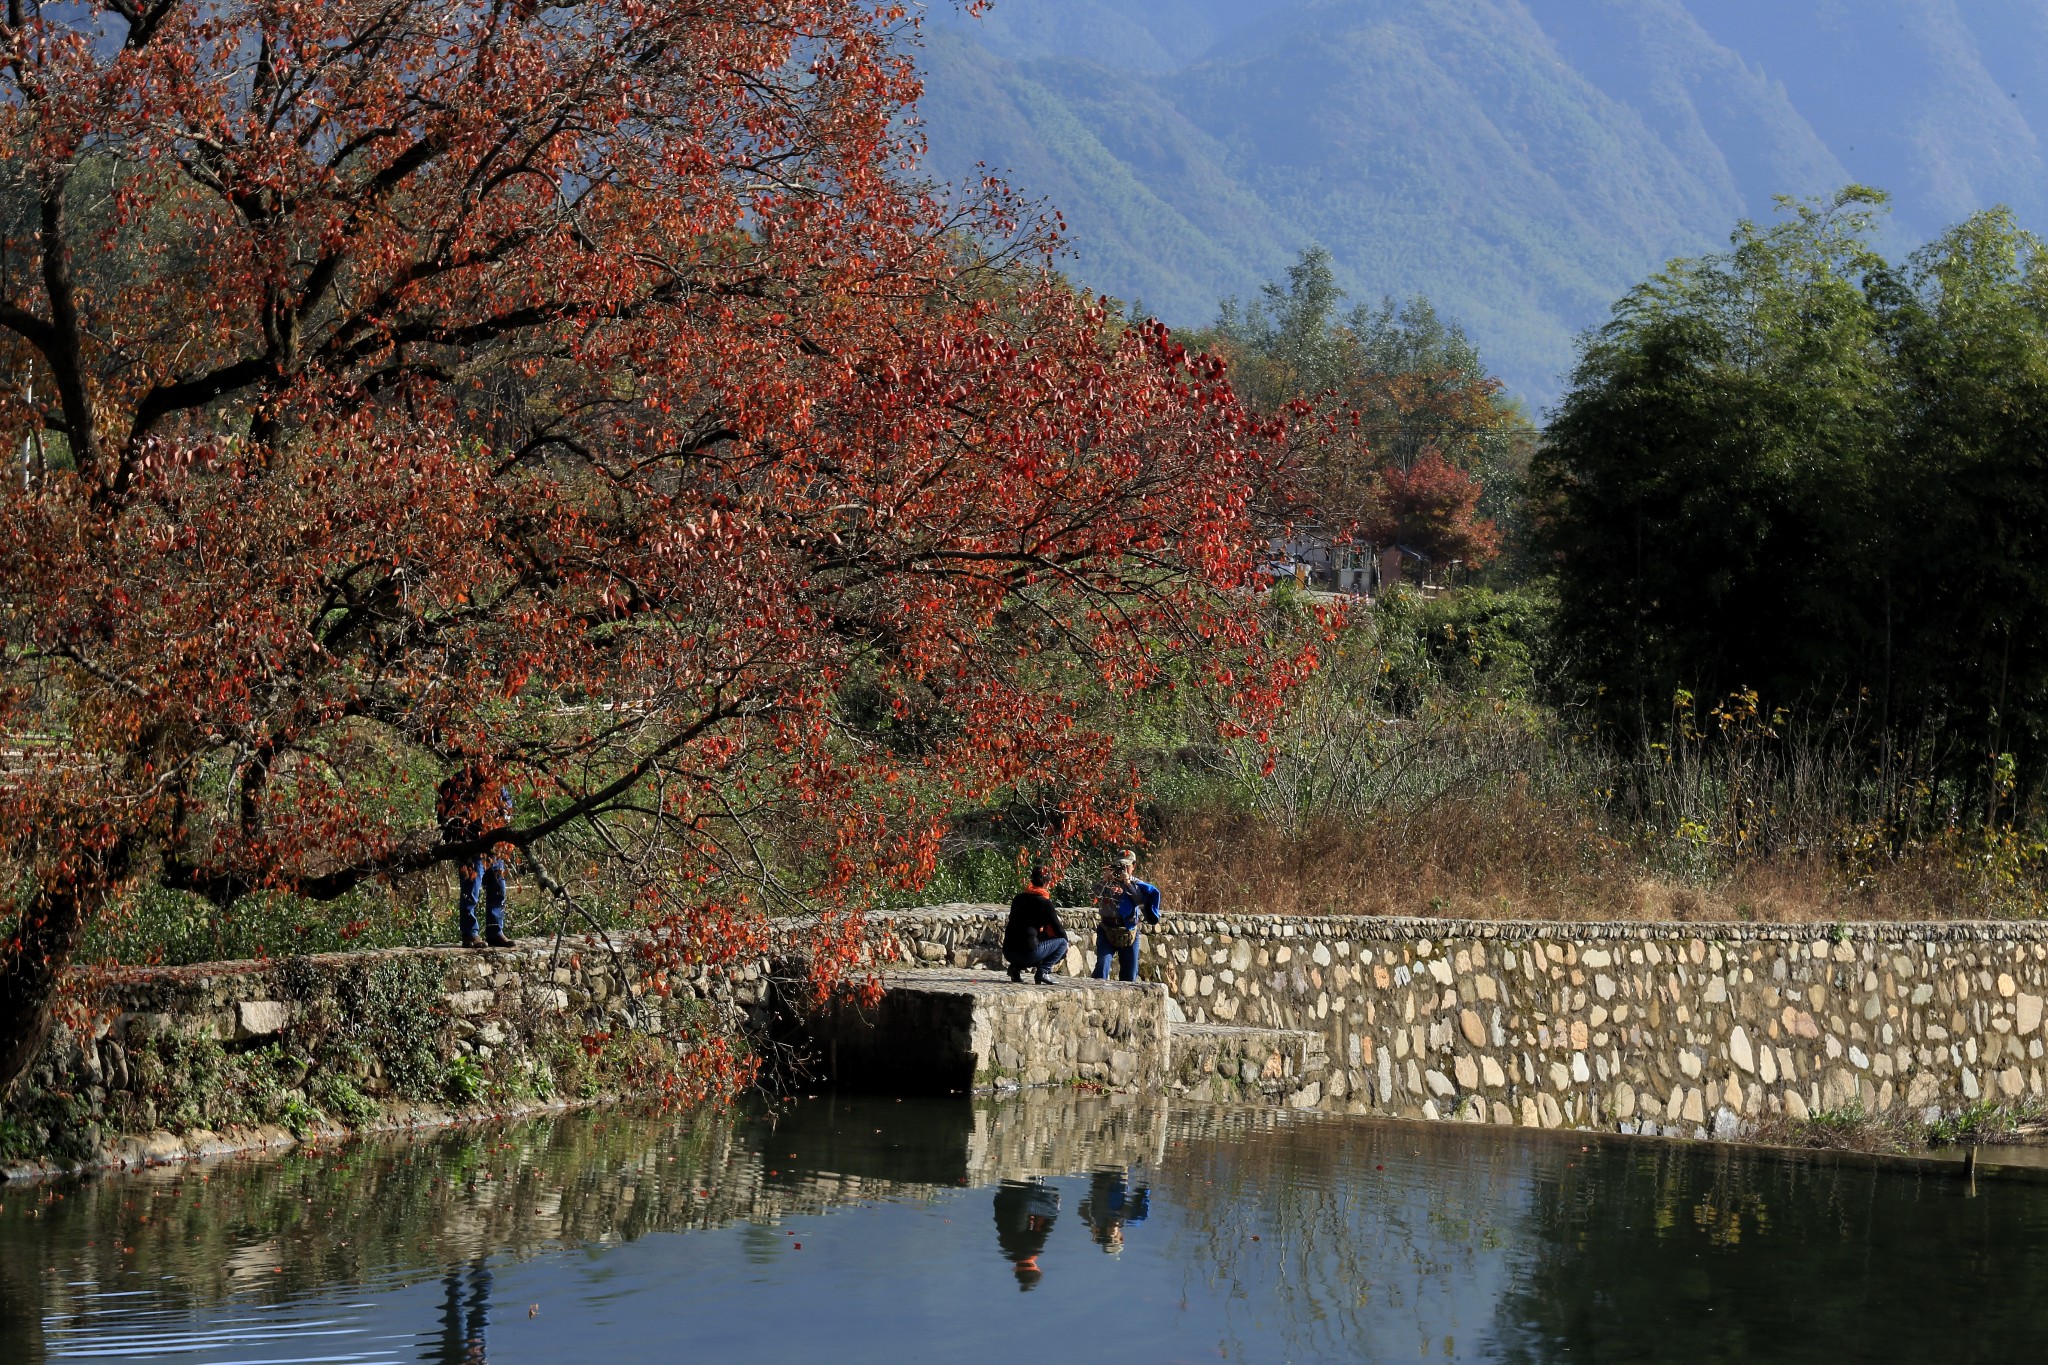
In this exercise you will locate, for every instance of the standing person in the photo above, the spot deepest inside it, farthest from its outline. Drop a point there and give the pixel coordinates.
(483, 877)
(484, 881)
(1034, 937)
(1121, 903)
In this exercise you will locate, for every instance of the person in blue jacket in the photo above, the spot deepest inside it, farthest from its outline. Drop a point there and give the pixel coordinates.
(1113, 1204)
(1124, 903)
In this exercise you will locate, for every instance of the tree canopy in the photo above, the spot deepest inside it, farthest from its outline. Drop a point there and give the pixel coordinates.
(1802, 468)
(1398, 432)
(558, 429)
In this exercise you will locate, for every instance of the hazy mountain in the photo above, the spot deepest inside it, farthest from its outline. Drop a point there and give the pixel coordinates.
(1520, 161)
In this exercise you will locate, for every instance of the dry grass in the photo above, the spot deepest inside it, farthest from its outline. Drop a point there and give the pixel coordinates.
(1506, 856)
(1845, 1130)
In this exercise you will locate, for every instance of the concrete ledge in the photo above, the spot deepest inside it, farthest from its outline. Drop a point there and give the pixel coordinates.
(946, 1029)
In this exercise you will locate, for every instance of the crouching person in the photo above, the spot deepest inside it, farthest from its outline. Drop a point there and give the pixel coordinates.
(1034, 939)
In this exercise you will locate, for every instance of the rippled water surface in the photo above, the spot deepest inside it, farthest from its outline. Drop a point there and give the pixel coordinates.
(1049, 1227)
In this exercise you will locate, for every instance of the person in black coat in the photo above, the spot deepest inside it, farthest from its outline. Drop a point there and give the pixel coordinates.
(1034, 937)
(1025, 1213)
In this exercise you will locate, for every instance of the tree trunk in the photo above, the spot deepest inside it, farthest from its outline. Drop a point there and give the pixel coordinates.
(52, 925)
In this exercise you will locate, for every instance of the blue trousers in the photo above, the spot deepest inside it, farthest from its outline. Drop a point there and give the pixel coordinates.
(1126, 959)
(483, 883)
(1051, 953)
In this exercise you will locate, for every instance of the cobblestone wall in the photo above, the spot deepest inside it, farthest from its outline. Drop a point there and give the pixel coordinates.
(162, 1063)
(1656, 1028)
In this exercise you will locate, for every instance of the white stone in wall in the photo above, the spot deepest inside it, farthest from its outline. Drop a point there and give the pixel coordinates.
(261, 1018)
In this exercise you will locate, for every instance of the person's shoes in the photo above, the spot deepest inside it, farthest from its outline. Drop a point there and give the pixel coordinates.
(497, 940)
(1016, 976)
(472, 941)
(1041, 979)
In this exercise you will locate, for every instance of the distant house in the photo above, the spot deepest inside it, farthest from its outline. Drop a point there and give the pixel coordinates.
(1353, 567)
(1327, 563)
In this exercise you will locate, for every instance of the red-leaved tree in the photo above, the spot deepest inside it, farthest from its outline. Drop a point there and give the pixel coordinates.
(1432, 507)
(429, 402)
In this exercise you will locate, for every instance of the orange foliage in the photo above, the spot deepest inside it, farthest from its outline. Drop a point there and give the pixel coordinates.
(578, 401)
(1432, 508)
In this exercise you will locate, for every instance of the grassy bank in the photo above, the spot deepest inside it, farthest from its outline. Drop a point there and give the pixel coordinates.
(1437, 765)
(1985, 1124)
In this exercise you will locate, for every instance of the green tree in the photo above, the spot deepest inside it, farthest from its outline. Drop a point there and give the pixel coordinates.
(1374, 393)
(1799, 467)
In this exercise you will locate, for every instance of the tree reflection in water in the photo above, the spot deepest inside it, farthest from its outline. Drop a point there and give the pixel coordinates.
(1266, 1236)
(1725, 1254)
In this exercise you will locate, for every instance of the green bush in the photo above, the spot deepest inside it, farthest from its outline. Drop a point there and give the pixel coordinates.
(1987, 1123)
(393, 1011)
(339, 1097)
(464, 1080)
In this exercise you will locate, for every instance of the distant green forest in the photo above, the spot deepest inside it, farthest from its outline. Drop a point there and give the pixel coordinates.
(1520, 162)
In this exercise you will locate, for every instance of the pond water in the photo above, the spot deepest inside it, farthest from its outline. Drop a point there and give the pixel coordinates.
(1043, 1226)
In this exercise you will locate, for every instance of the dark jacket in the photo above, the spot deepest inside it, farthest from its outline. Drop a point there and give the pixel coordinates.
(1025, 1213)
(1032, 921)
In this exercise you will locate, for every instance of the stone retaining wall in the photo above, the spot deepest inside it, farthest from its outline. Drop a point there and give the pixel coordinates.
(1655, 1028)
(1228, 1063)
(170, 1062)
(1642, 1028)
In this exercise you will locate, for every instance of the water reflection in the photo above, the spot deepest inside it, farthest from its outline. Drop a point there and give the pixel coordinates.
(859, 1229)
(465, 1317)
(1112, 1203)
(1742, 1256)
(1025, 1213)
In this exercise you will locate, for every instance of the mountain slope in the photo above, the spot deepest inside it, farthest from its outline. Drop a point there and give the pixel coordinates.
(1520, 161)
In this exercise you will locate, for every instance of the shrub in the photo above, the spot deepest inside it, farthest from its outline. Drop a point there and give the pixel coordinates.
(464, 1080)
(339, 1097)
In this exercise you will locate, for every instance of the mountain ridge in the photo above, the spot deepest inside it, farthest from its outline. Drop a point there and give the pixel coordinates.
(1521, 162)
